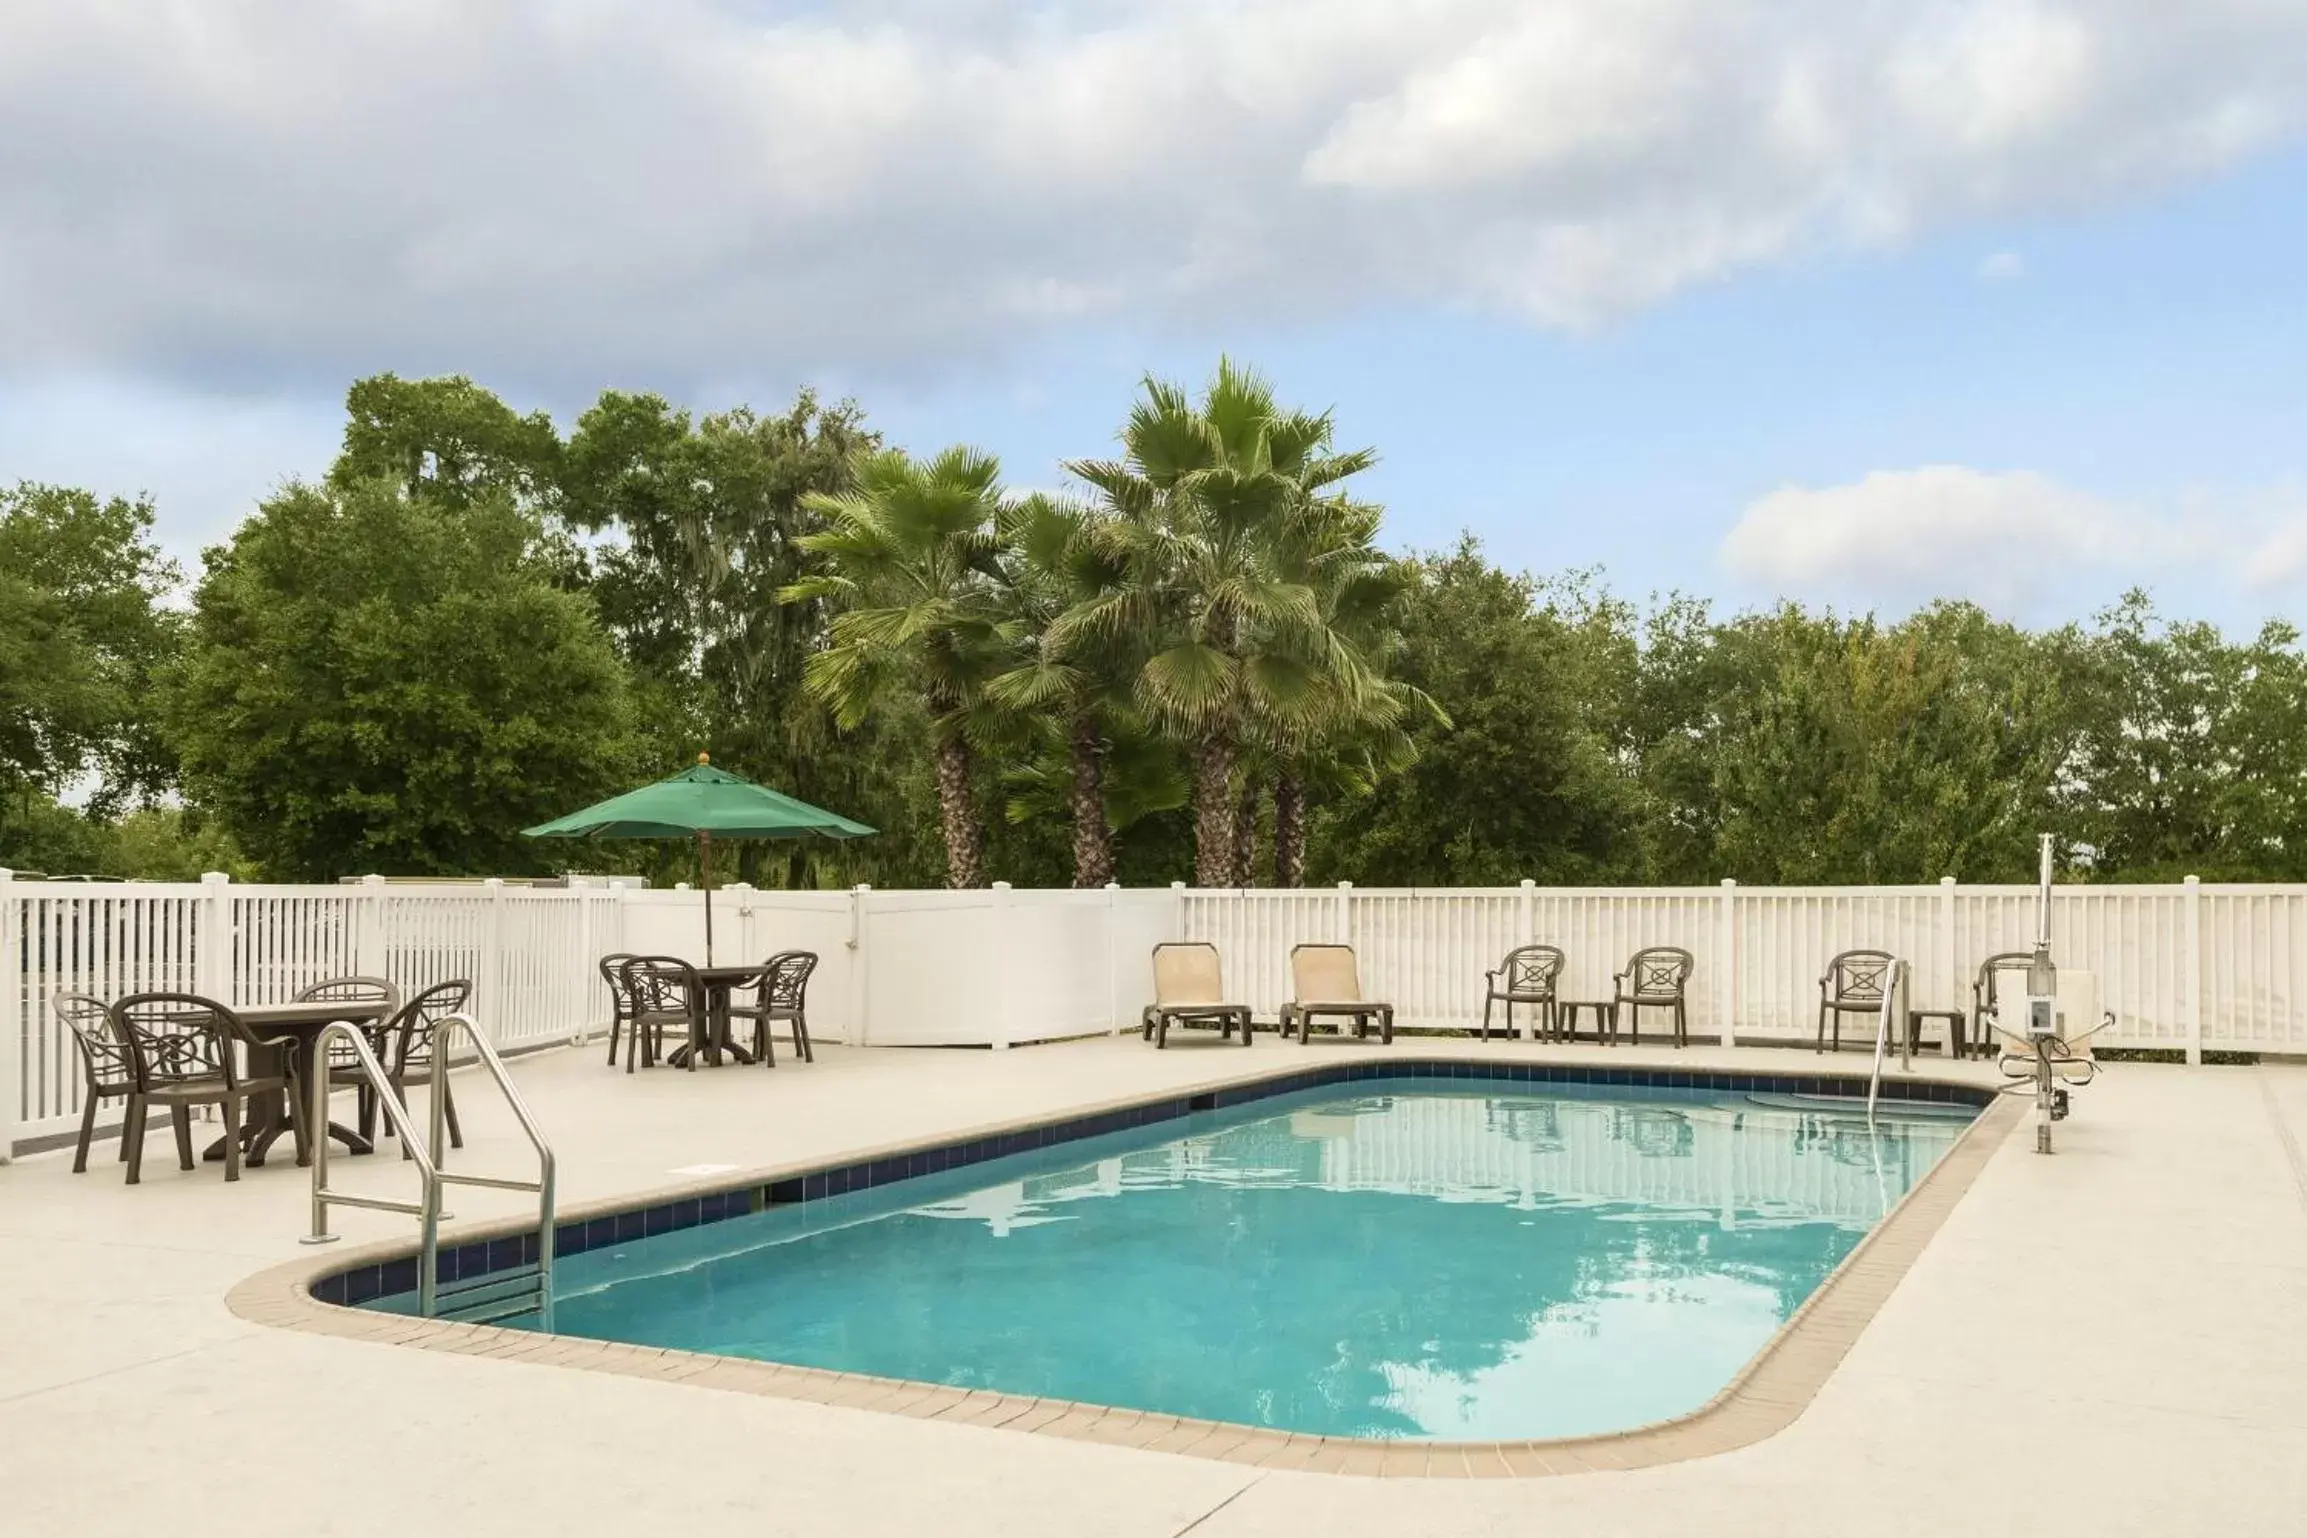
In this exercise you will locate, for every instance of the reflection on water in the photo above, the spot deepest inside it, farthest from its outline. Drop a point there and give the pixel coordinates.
(1430, 1264)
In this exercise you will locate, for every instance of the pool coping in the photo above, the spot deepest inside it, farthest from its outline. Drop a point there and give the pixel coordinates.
(1766, 1395)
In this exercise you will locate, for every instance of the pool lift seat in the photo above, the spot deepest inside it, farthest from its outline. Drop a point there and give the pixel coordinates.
(2046, 1050)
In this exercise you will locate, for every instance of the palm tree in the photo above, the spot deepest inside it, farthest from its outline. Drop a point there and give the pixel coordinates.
(914, 566)
(1209, 508)
(1355, 729)
(1080, 677)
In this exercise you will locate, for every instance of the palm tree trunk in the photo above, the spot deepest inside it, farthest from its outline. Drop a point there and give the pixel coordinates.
(1092, 839)
(1214, 810)
(1289, 829)
(957, 807)
(1246, 833)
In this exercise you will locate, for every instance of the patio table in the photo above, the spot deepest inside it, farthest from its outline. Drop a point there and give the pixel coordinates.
(719, 983)
(300, 1025)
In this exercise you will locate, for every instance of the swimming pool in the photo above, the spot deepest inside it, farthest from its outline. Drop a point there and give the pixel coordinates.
(1421, 1259)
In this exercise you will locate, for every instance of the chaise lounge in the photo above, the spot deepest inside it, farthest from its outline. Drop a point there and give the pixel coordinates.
(1325, 982)
(1189, 989)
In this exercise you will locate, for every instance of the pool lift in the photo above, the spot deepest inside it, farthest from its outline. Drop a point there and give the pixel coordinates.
(2043, 1054)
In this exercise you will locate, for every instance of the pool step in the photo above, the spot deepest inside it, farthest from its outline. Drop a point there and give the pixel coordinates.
(489, 1299)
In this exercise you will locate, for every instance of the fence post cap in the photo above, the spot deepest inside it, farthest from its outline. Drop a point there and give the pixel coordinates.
(1345, 886)
(372, 879)
(1113, 886)
(1528, 884)
(1177, 886)
(862, 886)
(1001, 886)
(215, 878)
(2192, 881)
(1728, 882)
(1946, 881)
(494, 883)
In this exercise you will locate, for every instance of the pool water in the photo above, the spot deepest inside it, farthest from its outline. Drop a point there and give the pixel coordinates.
(1423, 1262)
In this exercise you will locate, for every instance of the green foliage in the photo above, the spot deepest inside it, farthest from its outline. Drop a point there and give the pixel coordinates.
(379, 682)
(82, 628)
(447, 440)
(1234, 586)
(475, 624)
(914, 575)
(2190, 753)
(1849, 751)
(1518, 779)
(150, 843)
(698, 524)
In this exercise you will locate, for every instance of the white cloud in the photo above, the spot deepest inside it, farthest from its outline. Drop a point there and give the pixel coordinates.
(2003, 267)
(2016, 541)
(560, 193)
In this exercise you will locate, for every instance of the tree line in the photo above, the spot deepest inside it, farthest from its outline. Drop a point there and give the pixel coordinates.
(1198, 663)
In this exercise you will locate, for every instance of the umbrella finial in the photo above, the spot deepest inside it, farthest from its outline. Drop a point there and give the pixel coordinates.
(704, 758)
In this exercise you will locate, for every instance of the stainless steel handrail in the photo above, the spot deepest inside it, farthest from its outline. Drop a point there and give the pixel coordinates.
(426, 1208)
(1893, 1001)
(542, 1185)
(431, 1177)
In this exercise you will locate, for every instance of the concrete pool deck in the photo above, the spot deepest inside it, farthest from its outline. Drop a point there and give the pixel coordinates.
(2169, 1234)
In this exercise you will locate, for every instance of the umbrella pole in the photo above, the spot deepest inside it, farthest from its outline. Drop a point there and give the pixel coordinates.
(705, 874)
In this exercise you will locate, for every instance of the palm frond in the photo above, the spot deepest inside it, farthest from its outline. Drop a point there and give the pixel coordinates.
(1191, 684)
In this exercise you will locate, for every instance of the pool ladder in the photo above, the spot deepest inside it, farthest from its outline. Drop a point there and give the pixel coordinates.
(1894, 994)
(495, 1295)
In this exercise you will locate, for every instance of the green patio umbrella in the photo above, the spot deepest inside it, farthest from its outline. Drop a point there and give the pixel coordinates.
(704, 803)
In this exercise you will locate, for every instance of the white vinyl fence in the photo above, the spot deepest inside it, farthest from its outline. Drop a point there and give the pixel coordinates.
(2188, 967)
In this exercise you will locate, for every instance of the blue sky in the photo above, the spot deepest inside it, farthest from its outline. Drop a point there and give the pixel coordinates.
(1993, 298)
(2147, 354)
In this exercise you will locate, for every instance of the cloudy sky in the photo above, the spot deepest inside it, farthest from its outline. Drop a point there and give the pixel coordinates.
(1855, 300)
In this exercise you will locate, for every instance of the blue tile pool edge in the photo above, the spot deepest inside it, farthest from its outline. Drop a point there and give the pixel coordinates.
(510, 1244)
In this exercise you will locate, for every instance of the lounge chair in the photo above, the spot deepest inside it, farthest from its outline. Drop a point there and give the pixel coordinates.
(1189, 989)
(1325, 981)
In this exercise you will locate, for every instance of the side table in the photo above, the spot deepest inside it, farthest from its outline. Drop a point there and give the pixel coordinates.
(1605, 1019)
(1955, 1021)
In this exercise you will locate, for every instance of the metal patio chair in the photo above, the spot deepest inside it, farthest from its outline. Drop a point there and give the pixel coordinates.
(408, 1043)
(187, 1052)
(107, 1070)
(1984, 997)
(342, 1065)
(1853, 984)
(782, 994)
(1528, 975)
(665, 990)
(620, 998)
(1655, 978)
